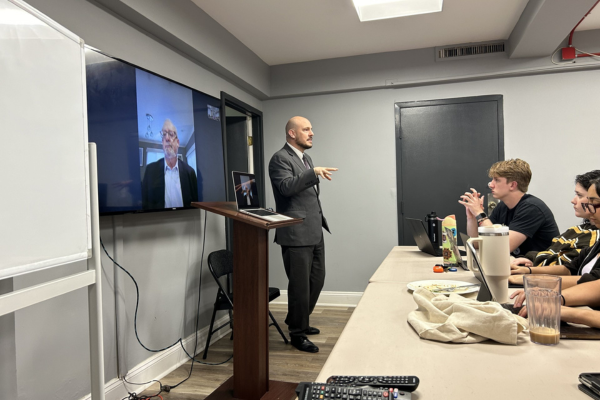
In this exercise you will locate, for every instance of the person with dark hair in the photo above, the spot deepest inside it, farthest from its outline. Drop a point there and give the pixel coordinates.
(582, 289)
(566, 247)
(586, 266)
(530, 222)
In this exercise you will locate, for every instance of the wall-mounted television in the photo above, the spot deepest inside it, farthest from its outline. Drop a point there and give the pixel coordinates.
(159, 143)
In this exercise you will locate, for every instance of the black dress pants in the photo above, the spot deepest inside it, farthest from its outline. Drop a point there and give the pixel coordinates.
(305, 269)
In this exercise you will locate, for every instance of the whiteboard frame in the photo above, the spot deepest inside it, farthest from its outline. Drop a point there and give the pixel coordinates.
(92, 278)
(45, 264)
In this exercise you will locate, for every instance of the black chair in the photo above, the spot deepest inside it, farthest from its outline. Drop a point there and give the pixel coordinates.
(220, 263)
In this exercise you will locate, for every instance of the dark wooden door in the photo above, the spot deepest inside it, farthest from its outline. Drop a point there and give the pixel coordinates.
(443, 148)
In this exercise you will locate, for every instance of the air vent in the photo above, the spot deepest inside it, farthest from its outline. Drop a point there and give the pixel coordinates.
(469, 50)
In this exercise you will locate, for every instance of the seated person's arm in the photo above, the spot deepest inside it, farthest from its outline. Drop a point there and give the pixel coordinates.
(473, 203)
(584, 294)
(520, 261)
(567, 281)
(515, 239)
(571, 268)
(580, 316)
(471, 225)
(548, 270)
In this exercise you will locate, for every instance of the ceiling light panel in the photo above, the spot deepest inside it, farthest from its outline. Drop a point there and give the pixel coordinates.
(370, 10)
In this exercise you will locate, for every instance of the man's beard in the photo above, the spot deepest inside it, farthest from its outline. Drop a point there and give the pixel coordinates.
(305, 145)
(170, 152)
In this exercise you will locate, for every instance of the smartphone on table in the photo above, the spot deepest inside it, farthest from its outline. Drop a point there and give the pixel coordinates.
(590, 384)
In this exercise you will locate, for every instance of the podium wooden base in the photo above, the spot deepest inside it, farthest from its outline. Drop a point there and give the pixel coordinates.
(277, 391)
(251, 304)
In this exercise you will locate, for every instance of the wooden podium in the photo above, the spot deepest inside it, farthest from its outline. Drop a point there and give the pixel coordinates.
(250, 380)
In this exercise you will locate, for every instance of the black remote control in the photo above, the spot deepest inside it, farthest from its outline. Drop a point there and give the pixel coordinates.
(404, 383)
(359, 388)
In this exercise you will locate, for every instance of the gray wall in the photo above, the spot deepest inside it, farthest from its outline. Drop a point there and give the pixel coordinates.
(549, 120)
(49, 341)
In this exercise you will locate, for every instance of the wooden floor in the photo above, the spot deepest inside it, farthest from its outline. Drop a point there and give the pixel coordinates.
(285, 362)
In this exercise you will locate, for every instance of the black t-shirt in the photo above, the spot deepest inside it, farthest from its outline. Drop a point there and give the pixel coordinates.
(531, 217)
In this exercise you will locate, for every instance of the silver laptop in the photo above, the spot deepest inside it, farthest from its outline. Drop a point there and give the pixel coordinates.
(247, 200)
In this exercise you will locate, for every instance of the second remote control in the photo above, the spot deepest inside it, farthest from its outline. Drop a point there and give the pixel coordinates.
(404, 383)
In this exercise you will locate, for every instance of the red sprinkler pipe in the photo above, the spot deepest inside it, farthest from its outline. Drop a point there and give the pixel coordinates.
(573, 31)
(588, 55)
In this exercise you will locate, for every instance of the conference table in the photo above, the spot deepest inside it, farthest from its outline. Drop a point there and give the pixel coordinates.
(378, 340)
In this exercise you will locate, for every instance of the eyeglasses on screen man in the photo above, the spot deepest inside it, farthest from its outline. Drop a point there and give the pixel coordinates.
(171, 134)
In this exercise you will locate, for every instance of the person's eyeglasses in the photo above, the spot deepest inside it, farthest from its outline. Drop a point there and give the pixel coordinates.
(589, 207)
(171, 134)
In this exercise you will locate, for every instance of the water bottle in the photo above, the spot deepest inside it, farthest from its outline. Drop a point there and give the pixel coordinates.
(433, 229)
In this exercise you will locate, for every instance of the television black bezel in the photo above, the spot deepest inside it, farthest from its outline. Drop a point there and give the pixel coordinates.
(223, 139)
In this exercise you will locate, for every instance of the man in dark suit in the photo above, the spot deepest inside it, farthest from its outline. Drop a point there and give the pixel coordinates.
(169, 182)
(295, 182)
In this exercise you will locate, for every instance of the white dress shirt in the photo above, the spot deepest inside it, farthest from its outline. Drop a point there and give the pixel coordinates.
(173, 197)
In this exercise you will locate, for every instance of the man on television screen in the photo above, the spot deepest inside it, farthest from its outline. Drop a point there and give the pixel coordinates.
(169, 182)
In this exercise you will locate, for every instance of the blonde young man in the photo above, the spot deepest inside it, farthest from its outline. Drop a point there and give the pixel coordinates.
(531, 223)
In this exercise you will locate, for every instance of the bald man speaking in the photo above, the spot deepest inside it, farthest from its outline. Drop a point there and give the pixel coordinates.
(295, 182)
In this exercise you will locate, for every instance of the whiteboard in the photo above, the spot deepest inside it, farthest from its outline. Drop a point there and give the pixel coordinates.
(44, 200)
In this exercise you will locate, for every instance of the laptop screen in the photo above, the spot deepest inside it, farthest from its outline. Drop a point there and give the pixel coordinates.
(245, 189)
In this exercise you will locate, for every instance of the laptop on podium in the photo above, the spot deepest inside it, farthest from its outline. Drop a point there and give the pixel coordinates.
(247, 198)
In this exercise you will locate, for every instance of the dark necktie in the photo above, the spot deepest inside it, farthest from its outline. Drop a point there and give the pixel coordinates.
(305, 162)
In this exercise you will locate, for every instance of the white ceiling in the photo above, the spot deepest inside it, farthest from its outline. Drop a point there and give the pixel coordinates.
(288, 31)
(592, 21)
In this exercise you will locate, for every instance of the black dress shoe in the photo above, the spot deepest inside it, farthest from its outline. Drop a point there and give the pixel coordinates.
(303, 344)
(312, 331)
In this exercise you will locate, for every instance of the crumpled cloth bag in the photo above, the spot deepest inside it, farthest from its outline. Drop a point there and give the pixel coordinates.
(457, 319)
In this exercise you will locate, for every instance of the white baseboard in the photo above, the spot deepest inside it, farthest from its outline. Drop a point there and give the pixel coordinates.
(160, 364)
(329, 299)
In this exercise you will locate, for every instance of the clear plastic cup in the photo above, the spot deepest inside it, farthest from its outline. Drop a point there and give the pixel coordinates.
(542, 293)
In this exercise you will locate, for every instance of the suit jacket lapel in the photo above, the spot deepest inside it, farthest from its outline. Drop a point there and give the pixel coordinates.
(295, 157)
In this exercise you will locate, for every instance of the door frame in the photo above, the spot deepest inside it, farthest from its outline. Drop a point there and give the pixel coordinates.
(228, 100)
(398, 139)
